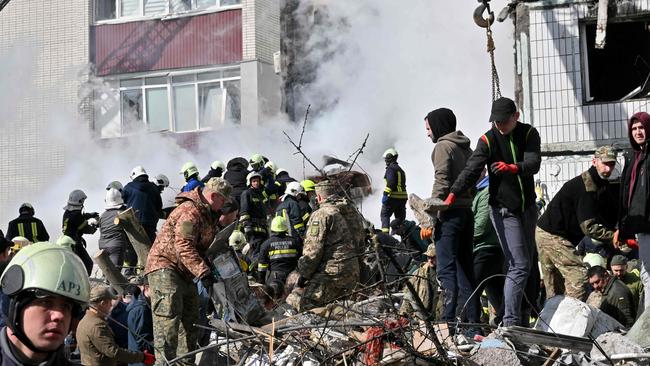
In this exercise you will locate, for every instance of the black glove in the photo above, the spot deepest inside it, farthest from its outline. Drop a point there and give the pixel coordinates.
(301, 282)
(207, 281)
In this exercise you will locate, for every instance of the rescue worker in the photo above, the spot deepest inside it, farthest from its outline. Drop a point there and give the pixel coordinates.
(617, 300)
(139, 320)
(27, 225)
(357, 228)
(253, 214)
(237, 241)
(175, 260)
(112, 238)
(426, 285)
(309, 195)
(511, 150)
(290, 209)
(393, 201)
(278, 256)
(18, 243)
(217, 168)
(634, 221)
(48, 288)
(77, 223)
(454, 228)
(143, 197)
(115, 185)
(236, 172)
(162, 182)
(282, 178)
(272, 188)
(326, 269)
(191, 175)
(582, 207)
(409, 232)
(95, 339)
(631, 279)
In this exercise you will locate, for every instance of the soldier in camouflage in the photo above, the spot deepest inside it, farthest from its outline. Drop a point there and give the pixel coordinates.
(327, 269)
(584, 206)
(426, 285)
(175, 260)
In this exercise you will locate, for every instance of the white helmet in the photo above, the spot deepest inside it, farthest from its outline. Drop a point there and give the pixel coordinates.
(271, 166)
(218, 165)
(113, 199)
(115, 184)
(162, 180)
(237, 240)
(280, 171)
(252, 175)
(294, 189)
(138, 171)
(189, 169)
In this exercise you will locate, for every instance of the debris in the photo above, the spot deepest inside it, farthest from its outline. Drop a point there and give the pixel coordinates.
(612, 344)
(640, 331)
(136, 234)
(572, 317)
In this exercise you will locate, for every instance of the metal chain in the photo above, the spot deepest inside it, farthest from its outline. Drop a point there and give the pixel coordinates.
(496, 89)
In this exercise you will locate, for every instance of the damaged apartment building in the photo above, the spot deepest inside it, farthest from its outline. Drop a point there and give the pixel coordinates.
(578, 85)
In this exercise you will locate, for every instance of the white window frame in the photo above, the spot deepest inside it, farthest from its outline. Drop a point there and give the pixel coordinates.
(167, 14)
(169, 86)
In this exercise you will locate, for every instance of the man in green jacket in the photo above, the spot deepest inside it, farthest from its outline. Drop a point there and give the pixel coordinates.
(630, 279)
(617, 300)
(96, 342)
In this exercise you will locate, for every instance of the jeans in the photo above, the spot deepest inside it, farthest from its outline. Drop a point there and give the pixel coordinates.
(453, 237)
(516, 234)
(489, 262)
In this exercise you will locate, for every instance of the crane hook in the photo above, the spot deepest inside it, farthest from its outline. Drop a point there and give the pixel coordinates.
(478, 15)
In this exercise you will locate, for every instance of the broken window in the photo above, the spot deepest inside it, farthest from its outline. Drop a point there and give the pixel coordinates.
(621, 70)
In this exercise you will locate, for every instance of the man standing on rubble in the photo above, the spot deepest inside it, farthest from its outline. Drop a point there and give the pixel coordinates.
(454, 227)
(634, 222)
(511, 150)
(393, 201)
(326, 269)
(582, 207)
(175, 260)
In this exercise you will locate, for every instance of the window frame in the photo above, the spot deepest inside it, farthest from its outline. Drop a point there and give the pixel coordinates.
(167, 14)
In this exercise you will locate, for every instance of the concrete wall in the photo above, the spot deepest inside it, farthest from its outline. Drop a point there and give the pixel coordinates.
(43, 45)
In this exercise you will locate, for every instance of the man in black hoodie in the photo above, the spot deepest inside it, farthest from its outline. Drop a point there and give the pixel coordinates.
(144, 197)
(511, 150)
(455, 226)
(236, 172)
(634, 222)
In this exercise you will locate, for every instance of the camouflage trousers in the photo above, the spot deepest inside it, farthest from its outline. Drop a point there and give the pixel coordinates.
(563, 270)
(315, 295)
(175, 310)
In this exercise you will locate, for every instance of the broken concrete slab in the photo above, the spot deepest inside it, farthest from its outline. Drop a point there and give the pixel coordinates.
(495, 356)
(614, 343)
(640, 331)
(572, 317)
(425, 210)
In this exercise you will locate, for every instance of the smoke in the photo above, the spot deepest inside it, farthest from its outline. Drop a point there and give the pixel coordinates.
(382, 65)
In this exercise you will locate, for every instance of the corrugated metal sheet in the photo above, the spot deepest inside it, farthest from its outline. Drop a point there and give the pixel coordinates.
(210, 39)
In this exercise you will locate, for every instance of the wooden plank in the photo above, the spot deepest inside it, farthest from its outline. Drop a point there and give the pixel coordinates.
(110, 271)
(136, 234)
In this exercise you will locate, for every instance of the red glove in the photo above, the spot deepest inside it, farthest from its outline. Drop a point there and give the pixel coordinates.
(149, 359)
(500, 167)
(426, 233)
(451, 198)
(632, 243)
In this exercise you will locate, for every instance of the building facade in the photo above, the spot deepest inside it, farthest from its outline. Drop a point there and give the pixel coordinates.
(579, 96)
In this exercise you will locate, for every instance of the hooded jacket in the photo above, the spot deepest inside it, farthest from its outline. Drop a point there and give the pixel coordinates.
(449, 158)
(236, 172)
(635, 217)
(213, 173)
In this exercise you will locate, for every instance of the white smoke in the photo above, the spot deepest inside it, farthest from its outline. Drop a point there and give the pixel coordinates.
(393, 63)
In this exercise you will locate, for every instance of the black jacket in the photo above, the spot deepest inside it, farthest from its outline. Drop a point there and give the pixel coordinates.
(290, 209)
(252, 213)
(281, 181)
(618, 302)
(75, 224)
(634, 209)
(144, 197)
(213, 173)
(395, 180)
(515, 192)
(279, 253)
(29, 227)
(236, 172)
(584, 206)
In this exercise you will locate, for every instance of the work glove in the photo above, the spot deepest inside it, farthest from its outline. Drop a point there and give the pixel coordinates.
(451, 198)
(632, 243)
(426, 233)
(615, 240)
(384, 199)
(149, 359)
(499, 168)
(207, 281)
(301, 282)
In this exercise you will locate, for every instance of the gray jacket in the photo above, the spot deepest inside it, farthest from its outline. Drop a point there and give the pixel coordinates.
(449, 157)
(110, 235)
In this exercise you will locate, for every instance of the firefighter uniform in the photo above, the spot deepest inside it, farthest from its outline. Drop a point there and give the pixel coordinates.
(394, 199)
(253, 219)
(278, 257)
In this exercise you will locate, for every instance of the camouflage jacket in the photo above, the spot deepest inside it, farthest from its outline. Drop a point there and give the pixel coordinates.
(329, 250)
(185, 236)
(355, 222)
